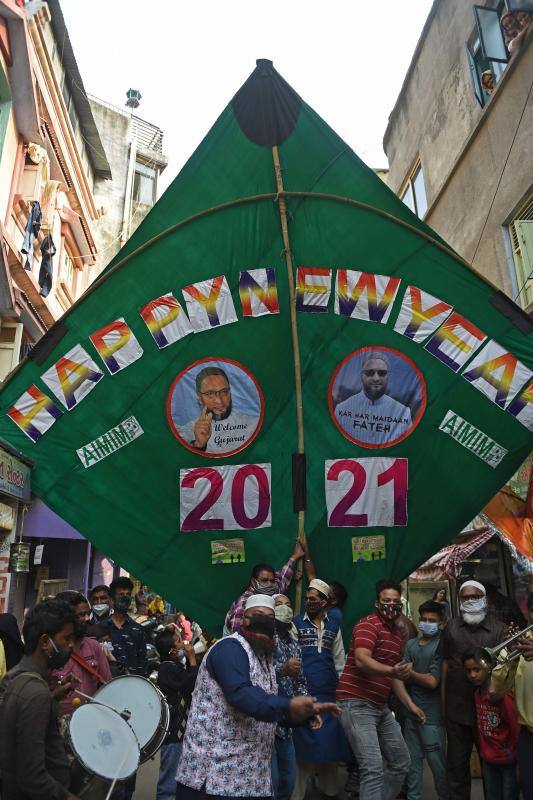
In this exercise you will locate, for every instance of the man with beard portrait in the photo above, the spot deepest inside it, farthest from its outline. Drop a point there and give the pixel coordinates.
(371, 415)
(229, 740)
(219, 427)
(474, 628)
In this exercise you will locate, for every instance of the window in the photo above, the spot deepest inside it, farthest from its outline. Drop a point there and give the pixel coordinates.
(68, 271)
(497, 33)
(144, 184)
(521, 235)
(414, 192)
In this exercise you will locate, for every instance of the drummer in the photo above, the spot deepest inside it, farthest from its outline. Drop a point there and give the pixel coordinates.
(33, 760)
(87, 664)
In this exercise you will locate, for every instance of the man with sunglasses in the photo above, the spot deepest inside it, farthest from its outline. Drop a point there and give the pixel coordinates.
(371, 415)
(219, 428)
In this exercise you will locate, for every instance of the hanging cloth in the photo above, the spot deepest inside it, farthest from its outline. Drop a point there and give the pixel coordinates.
(48, 250)
(31, 232)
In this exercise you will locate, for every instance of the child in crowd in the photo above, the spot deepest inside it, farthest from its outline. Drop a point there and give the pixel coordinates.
(497, 726)
(102, 634)
(424, 731)
(176, 678)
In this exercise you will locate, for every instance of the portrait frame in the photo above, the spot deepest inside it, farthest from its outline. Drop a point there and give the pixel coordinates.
(390, 353)
(236, 366)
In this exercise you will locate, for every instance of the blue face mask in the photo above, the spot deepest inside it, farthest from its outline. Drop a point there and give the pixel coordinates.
(429, 629)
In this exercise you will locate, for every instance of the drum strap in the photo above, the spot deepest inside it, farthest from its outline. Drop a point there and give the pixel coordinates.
(87, 667)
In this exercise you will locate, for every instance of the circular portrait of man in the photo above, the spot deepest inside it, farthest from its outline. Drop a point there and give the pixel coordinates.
(215, 407)
(377, 396)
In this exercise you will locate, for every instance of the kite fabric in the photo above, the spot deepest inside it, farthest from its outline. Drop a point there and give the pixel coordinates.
(161, 412)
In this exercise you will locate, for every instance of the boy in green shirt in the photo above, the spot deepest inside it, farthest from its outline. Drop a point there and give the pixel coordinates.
(424, 730)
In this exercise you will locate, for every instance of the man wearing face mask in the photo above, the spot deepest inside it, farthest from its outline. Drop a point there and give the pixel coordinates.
(423, 730)
(374, 661)
(101, 604)
(320, 640)
(264, 580)
(127, 637)
(291, 682)
(227, 749)
(472, 629)
(87, 664)
(33, 760)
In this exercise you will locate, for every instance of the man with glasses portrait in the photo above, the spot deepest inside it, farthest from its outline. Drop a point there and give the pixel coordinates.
(219, 427)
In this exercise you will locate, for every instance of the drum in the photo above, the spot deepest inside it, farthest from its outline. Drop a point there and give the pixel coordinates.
(150, 715)
(103, 745)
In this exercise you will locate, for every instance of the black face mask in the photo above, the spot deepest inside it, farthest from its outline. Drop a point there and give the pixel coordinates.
(122, 603)
(313, 607)
(260, 623)
(57, 659)
(283, 627)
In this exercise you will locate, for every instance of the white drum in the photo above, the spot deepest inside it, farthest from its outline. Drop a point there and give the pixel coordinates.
(149, 712)
(103, 743)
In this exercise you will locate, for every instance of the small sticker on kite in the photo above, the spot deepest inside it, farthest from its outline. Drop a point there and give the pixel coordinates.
(230, 551)
(368, 548)
(109, 442)
(473, 439)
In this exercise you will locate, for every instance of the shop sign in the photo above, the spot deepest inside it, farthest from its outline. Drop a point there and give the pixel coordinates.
(15, 477)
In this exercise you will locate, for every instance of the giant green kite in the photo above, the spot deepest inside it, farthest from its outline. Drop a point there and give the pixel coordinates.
(282, 345)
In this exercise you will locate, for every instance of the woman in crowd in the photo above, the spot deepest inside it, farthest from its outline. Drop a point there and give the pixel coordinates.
(10, 641)
(440, 597)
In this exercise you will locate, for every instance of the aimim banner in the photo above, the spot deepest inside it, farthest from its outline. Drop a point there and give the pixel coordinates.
(281, 347)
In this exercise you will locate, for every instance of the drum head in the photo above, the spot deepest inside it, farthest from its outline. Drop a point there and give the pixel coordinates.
(141, 698)
(103, 742)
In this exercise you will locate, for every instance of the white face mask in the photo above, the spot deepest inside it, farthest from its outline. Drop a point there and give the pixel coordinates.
(474, 605)
(100, 609)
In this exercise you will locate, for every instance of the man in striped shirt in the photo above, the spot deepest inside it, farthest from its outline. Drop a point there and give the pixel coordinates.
(374, 660)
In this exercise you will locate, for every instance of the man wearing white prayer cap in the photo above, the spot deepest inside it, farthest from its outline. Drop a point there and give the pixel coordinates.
(472, 629)
(228, 744)
(323, 657)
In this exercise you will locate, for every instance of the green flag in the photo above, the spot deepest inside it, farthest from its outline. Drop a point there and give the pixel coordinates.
(162, 410)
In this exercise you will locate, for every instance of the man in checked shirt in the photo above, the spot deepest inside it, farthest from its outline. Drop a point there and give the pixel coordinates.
(264, 580)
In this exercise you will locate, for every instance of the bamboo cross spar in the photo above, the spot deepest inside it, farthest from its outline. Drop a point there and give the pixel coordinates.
(295, 346)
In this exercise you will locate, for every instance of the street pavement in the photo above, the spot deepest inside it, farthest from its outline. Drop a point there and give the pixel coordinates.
(147, 782)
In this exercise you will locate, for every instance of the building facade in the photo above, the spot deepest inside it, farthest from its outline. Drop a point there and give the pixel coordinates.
(459, 137)
(134, 148)
(76, 177)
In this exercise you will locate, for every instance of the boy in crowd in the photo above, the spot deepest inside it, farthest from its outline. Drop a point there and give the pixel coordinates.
(498, 729)
(424, 731)
(176, 680)
(518, 675)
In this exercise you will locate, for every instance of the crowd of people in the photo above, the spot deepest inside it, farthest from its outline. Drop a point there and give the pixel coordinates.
(276, 705)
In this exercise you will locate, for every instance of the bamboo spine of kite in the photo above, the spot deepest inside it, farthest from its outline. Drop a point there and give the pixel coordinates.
(295, 345)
